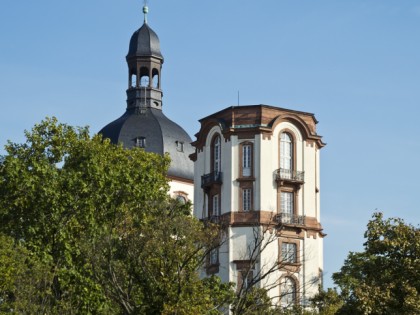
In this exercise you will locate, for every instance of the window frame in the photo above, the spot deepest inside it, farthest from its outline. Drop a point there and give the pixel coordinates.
(140, 142)
(215, 206)
(244, 269)
(247, 197)
(286, 256)
(243, 160)
(216, 147)
(288, 204)
(283, 295)
(291, 149)
(179, 146)
(214, 256)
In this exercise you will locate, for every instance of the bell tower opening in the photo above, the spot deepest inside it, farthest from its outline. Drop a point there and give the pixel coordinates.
(133, 80)
(144, 77)
(155, 80)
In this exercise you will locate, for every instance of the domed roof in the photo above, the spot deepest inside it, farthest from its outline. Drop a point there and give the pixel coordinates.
(144, 42)
(158, 134)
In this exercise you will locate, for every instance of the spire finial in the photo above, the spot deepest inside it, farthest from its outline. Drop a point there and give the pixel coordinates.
(145, 11)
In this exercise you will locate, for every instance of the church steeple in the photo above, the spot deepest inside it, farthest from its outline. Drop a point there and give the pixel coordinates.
(144, 61)
(143, 123)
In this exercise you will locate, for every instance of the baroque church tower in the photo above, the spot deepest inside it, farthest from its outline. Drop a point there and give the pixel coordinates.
(144, 124)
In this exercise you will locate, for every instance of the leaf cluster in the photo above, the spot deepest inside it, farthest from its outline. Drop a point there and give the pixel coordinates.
(96, 219)
(384, 278)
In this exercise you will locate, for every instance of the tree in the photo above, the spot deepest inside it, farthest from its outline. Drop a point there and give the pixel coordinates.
(327, 302)
(24, 280)
(155, 271)
(99, 218)
(385, 277)
(260, 276)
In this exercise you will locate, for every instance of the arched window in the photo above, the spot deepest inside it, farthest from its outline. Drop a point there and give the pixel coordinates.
(144, 76)
(133, 80)
(286, 151)
(155, 78)
(288, 292)
(217, 154)
(247, 159)
(181, 199)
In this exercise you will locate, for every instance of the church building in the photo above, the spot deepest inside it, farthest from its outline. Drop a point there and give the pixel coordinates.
(255, 170)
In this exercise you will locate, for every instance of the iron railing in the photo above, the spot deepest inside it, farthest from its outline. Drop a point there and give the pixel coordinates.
(286, 174)
(210, 179)
(289, 218)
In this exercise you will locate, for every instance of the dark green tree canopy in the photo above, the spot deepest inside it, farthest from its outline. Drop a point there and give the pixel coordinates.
(99, 219)
(384, 278)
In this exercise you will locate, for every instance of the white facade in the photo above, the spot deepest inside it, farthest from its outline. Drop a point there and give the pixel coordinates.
(268, 194)
(181, 188)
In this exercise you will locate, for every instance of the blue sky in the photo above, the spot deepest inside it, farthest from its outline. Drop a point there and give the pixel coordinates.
(355, 64)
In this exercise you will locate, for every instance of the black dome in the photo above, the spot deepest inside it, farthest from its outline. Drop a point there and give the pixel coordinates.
(161, 135)
(144, 42)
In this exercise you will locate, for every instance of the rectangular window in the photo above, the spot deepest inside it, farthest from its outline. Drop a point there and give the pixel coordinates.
(246, 199)
(140, 142)
(214, 256)
(286, 206)
(246, 160)
(289, 252)
(247, 277)
(179, 146)
(216, 205)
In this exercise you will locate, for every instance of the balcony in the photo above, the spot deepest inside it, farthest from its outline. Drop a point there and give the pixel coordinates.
(212, 219)
(210, 179)
(290, 219)
(287, 175)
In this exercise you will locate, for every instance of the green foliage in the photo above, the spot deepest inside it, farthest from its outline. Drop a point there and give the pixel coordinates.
(385, 278)
(97, 220)
(327, 302)
(24, 279)
(155, 271)
(252, 301)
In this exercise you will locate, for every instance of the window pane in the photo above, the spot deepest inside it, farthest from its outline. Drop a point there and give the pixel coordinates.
(214, 256)
(286, 206)
(288, 292)
(286, 151)
(246, 160)
(289, 252)
(216, 208)
(216, 148)
(247, 277)
(246, 199)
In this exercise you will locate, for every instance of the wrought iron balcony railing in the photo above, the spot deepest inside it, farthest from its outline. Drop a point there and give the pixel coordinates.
(291, 175)
(288, 218)
(211, 178)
